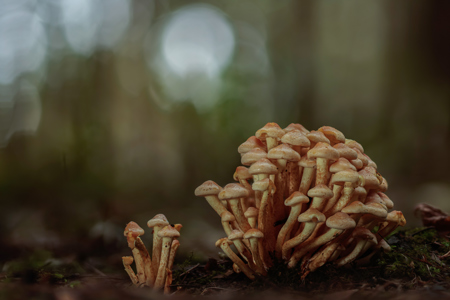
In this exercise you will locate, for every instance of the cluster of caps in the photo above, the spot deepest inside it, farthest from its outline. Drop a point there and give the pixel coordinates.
(153, 270)
(307, 197)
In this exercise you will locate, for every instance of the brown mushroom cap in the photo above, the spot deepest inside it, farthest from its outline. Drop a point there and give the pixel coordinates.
(294, 126)
(342, 177)
(262, 185)
(388, 202)
(263, 166)
(236, 235)
(242, 173)
(396, 216)
(341, 164)
(317, 137)
(233, 191)
(168, 231)
(134, 228)
(354, 144)
(253, 156)
(357, 163)
(283, 151)
(296, 138)
(127, 260)
(340, 221)
(334, 135)
(296, 198)
(321, 191)
(376, 209)
(345, 151)
(253, 233)
(311, 215)
(383, 185)
(323, 150)
(370, 178)
(270, 130)
(251, 212)
(226, 216)
(159, 220)
(207, 188)
(250, 144)
(356, 207)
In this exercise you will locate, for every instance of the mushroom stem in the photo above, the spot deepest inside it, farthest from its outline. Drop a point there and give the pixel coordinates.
(307, 178)
(337, 189)
(256, 257)
(139, 265)
(161, 277)
(297, 240)
(343, 200)
(173, 250)
(127, 261)
(223, 244)
(147, 262)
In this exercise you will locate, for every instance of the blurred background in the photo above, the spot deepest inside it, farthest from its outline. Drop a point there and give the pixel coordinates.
(116, 110)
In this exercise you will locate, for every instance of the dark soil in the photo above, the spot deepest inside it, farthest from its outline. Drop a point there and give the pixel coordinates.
(418, 267)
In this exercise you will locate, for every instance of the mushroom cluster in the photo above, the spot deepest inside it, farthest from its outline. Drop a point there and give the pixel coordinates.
(307, 197)
(155, 270)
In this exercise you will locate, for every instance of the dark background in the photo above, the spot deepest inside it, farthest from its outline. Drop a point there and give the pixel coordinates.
(112, 111)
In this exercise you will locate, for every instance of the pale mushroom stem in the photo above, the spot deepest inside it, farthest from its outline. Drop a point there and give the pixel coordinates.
(161, 277)
(357, 250)
(265, 227)
(337, 189)
(139, 265)
(244, 268)
(129, 270)
(236, 208)
(343, 200)
(317, 242)
(287, 227)
(156, 253)
(307, 179)
(173, 250)
(145, 259)
(322, 170)
(256, 257)
(297, 240)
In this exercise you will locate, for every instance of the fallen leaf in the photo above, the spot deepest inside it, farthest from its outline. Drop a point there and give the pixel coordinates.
(434, 217)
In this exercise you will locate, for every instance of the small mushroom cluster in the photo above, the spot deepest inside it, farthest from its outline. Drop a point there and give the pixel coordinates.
(155, 270)
(307, 197)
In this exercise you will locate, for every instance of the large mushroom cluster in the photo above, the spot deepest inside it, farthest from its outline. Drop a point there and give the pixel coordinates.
(307, 197)
(155, 270)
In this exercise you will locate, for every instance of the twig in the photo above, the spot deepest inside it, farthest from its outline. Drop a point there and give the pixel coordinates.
(189, 270)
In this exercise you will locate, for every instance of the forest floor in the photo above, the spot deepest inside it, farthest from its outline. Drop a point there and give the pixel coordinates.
(418, 267)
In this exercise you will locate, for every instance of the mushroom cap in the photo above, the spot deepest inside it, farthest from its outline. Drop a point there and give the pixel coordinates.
(168, 231)
(295, 126)
(362, 157)
(370, 163)
(223, 240)
(311, 215)
(159, 220)
(250, 144)
(251, 212)
(396, 216)
(370, 178)
(357, 163)
(360, 191)
(263, 184)
(233, 191)
(320, 190)
(340, 221)
(242, 173)
(341, 164)
(263, 166)
(296, 198)
(296, 138)
(283, 151)
(253, 233)
(345, 151)
(226, 216)
(377, 210)
(388, 202)
(127, 260)
(305, 162)
(365, 234)
(270, 130)
(317, 136)
(207, 188)
(253, 156)
(236, 234)
(354, 144)
(134, 228)
(334, 135)
(342, 177)
(323, 150)
(384, 184)
(356, 207)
